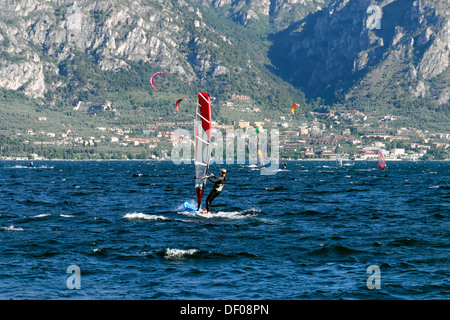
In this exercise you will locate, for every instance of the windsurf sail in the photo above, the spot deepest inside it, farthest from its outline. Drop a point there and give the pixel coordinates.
(202, 152)
(381, 163)
(339, 160)
(260, 161)
(260, 155)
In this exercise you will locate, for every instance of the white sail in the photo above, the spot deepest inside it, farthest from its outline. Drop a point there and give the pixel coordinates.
(339, 160)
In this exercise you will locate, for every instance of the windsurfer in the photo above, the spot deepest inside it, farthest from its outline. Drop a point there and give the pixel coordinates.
(218, 186)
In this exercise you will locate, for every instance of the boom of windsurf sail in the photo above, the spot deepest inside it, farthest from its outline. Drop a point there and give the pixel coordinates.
(381, 163)
(202, 152)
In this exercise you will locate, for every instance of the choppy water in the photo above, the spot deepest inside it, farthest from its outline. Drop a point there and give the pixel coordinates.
(308, 232)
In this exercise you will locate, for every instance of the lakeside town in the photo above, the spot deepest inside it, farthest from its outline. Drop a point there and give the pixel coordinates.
(352, 134)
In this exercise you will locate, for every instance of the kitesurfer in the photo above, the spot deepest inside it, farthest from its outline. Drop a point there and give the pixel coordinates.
(218, 186)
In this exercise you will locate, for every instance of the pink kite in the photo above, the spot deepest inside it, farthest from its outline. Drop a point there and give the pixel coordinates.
(153, 78)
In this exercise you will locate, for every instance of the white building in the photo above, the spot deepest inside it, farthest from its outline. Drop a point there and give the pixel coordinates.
(397, 151)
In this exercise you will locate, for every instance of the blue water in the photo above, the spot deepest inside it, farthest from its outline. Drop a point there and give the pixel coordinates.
(307, 232)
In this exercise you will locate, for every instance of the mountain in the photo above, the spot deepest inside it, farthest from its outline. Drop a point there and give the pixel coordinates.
(58, 51)
(56, 54)
(338, 54)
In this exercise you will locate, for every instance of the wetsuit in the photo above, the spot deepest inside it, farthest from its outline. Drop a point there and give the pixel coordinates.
(218, 186)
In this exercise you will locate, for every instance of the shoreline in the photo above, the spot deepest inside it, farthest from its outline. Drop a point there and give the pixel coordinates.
(168, 160)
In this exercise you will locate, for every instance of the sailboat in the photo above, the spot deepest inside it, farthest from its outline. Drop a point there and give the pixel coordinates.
(381, 163)
(202, 147)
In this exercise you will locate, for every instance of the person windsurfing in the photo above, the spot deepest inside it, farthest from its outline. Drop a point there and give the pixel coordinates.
(218, 186)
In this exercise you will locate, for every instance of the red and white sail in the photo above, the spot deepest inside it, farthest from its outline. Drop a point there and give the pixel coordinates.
(202, 147)
(381, 163)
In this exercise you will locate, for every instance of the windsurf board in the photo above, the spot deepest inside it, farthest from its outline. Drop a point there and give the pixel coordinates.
(192, 209)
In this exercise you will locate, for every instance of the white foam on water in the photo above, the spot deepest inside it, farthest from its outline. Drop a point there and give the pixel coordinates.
(179, 253)
(42, 215)
(231, 215)
(12, 228)
(140, 215)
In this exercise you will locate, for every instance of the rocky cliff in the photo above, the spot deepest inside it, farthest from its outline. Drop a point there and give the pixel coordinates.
(279, 12)
(43, 42)
(333, 50)
(365, 48)
(39, 35)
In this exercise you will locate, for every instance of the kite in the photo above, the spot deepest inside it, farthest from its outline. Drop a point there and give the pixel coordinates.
(153, 78)
(178, 104)
(293, 107)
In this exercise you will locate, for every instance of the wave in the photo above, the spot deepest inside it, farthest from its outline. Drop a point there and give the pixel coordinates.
(139, 175)
(333, 250)
(42, 215)
(405, 242)
(33, 202)
(28, 167)
(11, 228)
(180, 254)
(280, 188)
(306, 212)
(140, 215)
(236, 214)
(231, 215)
